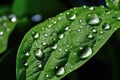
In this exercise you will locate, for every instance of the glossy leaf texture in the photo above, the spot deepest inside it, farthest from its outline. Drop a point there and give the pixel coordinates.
(60, 45)
(7, 24)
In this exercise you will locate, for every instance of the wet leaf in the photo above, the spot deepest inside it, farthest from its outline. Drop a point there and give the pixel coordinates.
(60, 45)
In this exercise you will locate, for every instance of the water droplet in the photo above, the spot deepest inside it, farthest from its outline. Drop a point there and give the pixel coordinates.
(26, 65)
(67, 28)
(54, 47)
(61, 36)
(27, 54)
(117, 17)
(90, 36)
(107, 12)
(71, 15)
(35, 35)
(12, 18)
(59, 18)
(44, 43)
(93, 19)
(84, 6)
(54, 22)
(91, 8)
(80, 21)
(36, 18)
(60, 71)
(85, 52)
(1, 33)
(101, 32)
(78, 30)
(106, 26)
(93, 30)
(39, 54)
(45, 35)
(40, 66)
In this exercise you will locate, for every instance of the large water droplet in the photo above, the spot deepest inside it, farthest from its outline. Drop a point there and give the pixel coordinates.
(93, 19)
(106, 26)
(54, 47)
(71, 15)
(12, 18)
(85, 52)
(39, 54)
(61, 71)
(61, 36)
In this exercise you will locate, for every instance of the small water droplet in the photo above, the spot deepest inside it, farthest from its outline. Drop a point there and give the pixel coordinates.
(71, 15)
(36, 18)
(67, 28)
(49, 25)
(80, 21)
(85, 52)
(44, 43)
(35, 35)
(59, 18)
(1, 33)
(101, 32)
(93, 30)
(78, 30)
(61, 36)
(90, 36)
(39, 54)
(93, 19)
(60, 71)
(54, 47)
(54, 22)
(107, 12)
(84, 6)
(45, 35)
(91, 8)
(40, 66)
(27, 54)
(26, 65)
(106, 26)
(12, 18)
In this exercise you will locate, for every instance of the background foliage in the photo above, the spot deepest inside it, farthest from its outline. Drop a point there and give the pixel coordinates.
(105, 65)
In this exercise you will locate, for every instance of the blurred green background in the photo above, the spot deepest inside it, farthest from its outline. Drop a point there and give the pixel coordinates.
(104, 66)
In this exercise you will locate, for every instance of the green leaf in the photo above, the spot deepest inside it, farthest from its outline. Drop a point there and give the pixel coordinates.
(60, 45)
(7, 24)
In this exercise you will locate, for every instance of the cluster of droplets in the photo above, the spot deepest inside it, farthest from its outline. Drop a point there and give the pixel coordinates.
(3, 22)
